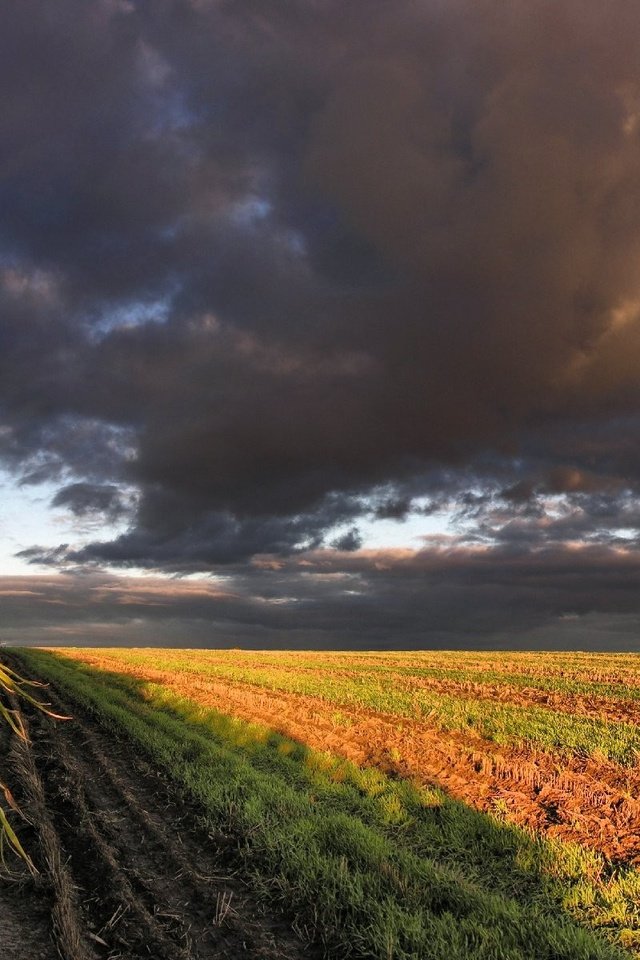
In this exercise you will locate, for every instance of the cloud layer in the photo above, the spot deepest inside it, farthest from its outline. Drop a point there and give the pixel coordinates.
(510, 597)
(267, 270)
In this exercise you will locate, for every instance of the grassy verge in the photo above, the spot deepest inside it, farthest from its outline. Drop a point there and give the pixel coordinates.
(372, 867)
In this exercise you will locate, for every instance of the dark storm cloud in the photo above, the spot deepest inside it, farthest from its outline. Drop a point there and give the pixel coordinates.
(278, 267)
(165, 537)
(87, 499)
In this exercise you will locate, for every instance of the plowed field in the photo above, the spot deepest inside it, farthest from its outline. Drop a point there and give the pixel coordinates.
(515, 776)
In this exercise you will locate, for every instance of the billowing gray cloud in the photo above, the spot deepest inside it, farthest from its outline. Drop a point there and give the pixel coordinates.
(267, 269)
(91, 499)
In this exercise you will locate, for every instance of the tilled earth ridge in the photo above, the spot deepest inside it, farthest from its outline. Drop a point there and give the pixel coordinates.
(140, 878)
(589, 800)
(25, 908)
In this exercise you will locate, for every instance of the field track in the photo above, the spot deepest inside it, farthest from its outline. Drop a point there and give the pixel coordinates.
(125, 869)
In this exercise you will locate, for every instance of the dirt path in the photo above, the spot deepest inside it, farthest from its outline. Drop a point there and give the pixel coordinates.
(127, 871)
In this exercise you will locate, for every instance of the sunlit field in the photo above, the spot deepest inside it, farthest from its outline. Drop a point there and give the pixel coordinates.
(400, 805)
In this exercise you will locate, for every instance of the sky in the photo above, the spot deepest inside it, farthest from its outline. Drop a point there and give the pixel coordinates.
(320, 323)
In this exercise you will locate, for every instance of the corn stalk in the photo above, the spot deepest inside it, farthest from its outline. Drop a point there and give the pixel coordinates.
(14, 687)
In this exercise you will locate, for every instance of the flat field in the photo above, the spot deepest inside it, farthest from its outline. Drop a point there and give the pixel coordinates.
(386, 805)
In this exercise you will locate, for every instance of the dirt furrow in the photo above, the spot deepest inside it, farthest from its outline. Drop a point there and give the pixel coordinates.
(141, 876)
(24, 921)
(25, 900)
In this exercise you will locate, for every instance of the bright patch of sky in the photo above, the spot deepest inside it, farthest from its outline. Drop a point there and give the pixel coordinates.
(133, 314)
(27, 519)
(625, 533)
(409, 533)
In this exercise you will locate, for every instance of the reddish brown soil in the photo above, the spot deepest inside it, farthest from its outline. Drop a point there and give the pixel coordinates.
(127, 871)
(591, 801)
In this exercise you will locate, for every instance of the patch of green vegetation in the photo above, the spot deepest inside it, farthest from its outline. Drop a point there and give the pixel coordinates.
(373, 867)
(341, 719)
